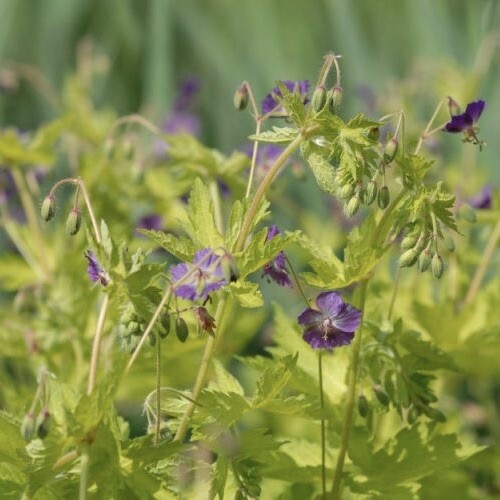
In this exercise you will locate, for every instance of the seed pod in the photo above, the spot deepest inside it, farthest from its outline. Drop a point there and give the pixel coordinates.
(424, 259)
(408, 258)
(391, 148)
(165, 323)
(363, 406)
(73, 222)
(370, 192)
(181, 329)
(240, 99)
(381, 395)
(319, 98)
(28, 426)
(346, 191)
(43, 423)
(467, 213)
(383, 197)
(48, 208)
(352, 206)
(437, 265)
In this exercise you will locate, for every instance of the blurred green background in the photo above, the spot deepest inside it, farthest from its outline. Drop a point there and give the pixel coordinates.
(437, 48)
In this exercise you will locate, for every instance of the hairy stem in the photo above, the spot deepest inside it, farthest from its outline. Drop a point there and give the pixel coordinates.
(158, 387)
(96, 345)
(84, 471)
(322, 408)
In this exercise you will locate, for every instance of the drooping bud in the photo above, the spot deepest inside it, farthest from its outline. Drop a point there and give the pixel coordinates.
(165, 325)
(467, 213)
(346, 191)
(28, 426)
(383, 197)
(409, 241)
(424, 259)
(381, 395)
(205, 320)
(363, 407)
(43, 423)
(73, 222)
(408, 258)
(453, 107)
(181, 329)
(48, 208)
(337, 97)
(319, 98)
(352, 206)
(240, 98)
(437, 266)
(370, 192)
(391, 148)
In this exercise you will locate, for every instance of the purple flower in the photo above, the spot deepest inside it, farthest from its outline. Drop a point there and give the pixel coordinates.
(276, 269)
(197, 280)
(481, 200)
(150, 221)
(95, 271)
(465, 122)
(331, 325)
(272, 101)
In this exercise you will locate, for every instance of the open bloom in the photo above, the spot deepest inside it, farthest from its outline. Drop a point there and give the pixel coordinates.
(271, 101)
(331, 325)
(482, 200)
(197, 280)
(466, 121)
(94, 269)
(276, 269)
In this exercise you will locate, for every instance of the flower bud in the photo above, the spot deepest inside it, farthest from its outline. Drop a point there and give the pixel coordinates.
(28, 426)
(374, 134)
(48, 208)
(409, 241)
(370, 192)
(337, 97)
(391, 148)
(467, 213)
(422, 241)
(383, 197)
(165, 323)
(408, 258)
(73, 222)
(346, 191)
(437, 265)
(363, 407)
(424, 260)
(240, 98)
(453, 107)
(181, 329)
(43, 423)
(319, 98)
(352, 206)
(381, 395)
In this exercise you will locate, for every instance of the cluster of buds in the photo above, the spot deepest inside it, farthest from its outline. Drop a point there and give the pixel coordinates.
(419, 246)
(332, 98)
(74, 220)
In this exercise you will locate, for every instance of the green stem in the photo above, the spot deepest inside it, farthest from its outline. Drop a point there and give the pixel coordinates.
(158, 387)
(96, 345)
(84, 471)
(322, 408)
(483, 266)
(351, 395)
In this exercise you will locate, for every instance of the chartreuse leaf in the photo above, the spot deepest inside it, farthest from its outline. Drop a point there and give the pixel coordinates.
(12, 444)
(278, 135)
(323, 170)
(201, 222)
(411, 454)
(224, 381)
(413, 169)
(246, 293)
(219, 477)
(293, 103)
(177, 245)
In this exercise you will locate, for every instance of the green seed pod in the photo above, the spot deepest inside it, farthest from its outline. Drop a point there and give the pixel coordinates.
(28, 426)
(370, 192)
(409, 241)
(437, 265)
(352, 206)
(73, 222)
(319, 98)
(48, 208)
(391, 148)
(363, 406)
(408, 258)
(449, 243)
(165, 323)
(424, 260)
(43, 423)
(381, 395)
(383, 197)
(346, 191)
(181, 329)
(467, 213)
(240, 99)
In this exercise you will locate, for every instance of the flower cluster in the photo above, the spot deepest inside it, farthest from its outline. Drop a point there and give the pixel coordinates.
(332, 324)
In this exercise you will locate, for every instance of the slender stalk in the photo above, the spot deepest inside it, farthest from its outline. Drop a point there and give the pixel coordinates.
(84, 470)
(351, 395)
(90, 210)
(134, 118)
(158, 387)
(395, 288)
(322, 409)
(483, 266)
(425, 134)
(254, 157)
(96, 345)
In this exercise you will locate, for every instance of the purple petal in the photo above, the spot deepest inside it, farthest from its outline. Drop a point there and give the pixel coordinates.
(458, 123)
(330, 303)
(348, 318)
(481, 200)
(474, 110)
(187, 292)
(179, 271)
(272, 232)
(309, 316)
(317, 340)
(150, 221)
